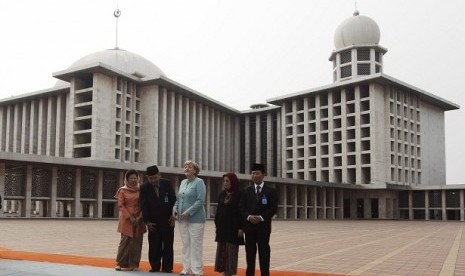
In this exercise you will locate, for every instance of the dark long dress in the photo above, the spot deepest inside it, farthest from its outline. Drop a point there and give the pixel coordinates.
(228, 221)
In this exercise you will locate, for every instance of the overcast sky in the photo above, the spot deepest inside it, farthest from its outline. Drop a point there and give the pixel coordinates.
(241, 52)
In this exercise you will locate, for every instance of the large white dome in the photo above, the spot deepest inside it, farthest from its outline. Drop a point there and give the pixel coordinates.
(356, 30)
(125, 61)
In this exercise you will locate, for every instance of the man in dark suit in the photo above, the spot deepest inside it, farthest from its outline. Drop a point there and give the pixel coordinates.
(157, 198)
(258, 204)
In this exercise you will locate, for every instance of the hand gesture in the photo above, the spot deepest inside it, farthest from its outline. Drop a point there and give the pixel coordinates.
(172, 221)
(151, 226)
(255, 219)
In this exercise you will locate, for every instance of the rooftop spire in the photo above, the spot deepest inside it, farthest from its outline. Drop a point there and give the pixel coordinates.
(117, 14)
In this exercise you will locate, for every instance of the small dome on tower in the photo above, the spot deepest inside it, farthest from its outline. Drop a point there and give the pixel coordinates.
(356, 30)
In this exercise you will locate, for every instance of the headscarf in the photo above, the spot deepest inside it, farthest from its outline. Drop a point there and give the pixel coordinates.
(235, 183)
(127, 186)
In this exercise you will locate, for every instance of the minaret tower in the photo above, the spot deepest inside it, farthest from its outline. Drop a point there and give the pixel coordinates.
(357, 52)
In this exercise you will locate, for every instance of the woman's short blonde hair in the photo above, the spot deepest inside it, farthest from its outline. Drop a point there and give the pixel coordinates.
(194, 165)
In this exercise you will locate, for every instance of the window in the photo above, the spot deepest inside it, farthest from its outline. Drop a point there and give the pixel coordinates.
(363, 69)
(346, 57)
(346, 71)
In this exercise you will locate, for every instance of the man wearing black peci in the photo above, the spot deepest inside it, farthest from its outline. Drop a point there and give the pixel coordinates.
(157, 198)
(258, 205)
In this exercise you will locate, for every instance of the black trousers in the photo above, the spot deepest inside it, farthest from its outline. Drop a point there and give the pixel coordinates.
(257, 237)
(161, 249)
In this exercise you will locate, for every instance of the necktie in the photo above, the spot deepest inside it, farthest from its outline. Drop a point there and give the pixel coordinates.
(156, 191)
(258, 192)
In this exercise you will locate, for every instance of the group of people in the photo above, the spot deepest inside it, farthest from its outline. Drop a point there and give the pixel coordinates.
(242, 217)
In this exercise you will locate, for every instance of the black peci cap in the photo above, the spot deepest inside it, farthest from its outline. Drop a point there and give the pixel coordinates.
(258, 167)
(152, 170)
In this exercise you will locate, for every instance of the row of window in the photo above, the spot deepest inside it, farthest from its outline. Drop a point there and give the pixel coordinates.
(127, 140)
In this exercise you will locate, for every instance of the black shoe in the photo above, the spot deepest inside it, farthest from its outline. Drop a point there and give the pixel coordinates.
(167, 271)
(154, 270)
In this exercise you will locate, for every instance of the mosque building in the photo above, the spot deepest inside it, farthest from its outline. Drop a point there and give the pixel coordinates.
(366, 146)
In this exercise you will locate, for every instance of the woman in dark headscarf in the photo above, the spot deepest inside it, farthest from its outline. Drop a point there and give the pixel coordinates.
(228, 222)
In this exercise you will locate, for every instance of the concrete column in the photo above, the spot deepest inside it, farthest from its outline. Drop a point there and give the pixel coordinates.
(8, 131)
(42, 129)
(323, 203)
(53, 192)
(330, 144)
(280, 138)
(2, 129)
(410, 205)
(51, 126)
(333, 203)
(26, 211)
(217, 146)
(314, 202)
(193, 132)
(186, 130)
(208, 197)
(318, 138)
(99, 208)
(222, 142)
(237, 143)
(32, 128)
(247, 148)
(178, 127)
(367, 207)
(284, 200)
(2, 186)
(305, 198)
(206, 137)
(172, 130)
(269, 147)
(162, 135)
(426, 205)
(358, 149)
(258, 140)
(76, 209)
(24, 129)
(345, 178)
(462, 218)
(199, 137)
(16, 129)
(294, 197)
(340, 214)
(443, 203)
(60, 117)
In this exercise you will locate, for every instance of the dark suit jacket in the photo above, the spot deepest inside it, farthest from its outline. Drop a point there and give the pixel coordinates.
(157, 209)
(266, 206)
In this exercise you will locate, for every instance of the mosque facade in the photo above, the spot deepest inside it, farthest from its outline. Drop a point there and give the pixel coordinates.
(367, 146)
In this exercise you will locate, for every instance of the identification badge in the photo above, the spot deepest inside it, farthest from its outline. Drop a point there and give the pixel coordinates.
(264, 201)
(166, 197)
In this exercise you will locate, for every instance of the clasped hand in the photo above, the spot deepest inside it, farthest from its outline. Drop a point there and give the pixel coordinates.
(151, 226)
(254, 219)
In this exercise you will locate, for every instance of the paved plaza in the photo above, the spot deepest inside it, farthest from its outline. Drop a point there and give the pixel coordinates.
(335, 247)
